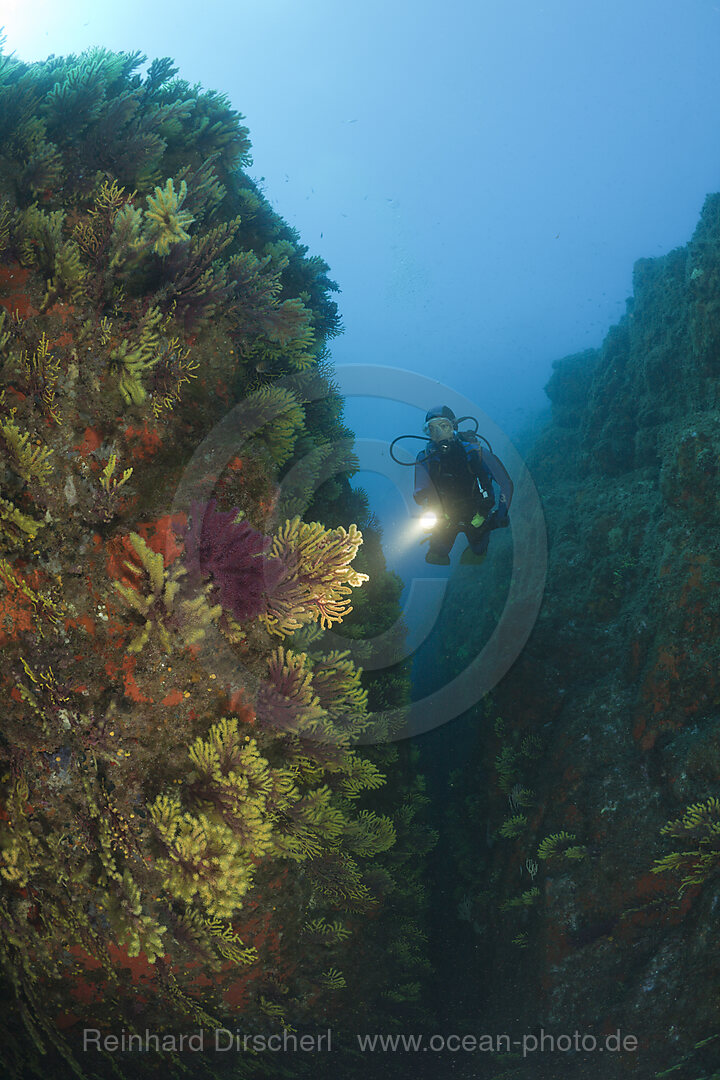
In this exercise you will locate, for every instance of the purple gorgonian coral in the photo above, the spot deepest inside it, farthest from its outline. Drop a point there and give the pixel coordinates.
(234, 555)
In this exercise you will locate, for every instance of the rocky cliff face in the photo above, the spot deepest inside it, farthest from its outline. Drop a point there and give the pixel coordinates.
(608, 727)
(169, 770)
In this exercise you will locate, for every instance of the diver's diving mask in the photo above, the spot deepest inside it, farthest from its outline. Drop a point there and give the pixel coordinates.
(440, 429)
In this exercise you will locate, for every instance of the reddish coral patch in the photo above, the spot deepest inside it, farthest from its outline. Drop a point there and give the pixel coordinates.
(119, 551)
(63, 312)
(161, 536)
(111, 668)
(91, 441)
(15, 616)
(87, 624)
(13, 279)
(139, 966)
(238, 707)
(132, 690)
(144, 442)
(237, 995)
(175, 697)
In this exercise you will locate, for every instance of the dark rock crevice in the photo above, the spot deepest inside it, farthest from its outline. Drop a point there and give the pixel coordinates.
(619, 685)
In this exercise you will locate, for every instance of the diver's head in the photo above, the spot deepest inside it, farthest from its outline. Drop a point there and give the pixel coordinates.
(440, 424)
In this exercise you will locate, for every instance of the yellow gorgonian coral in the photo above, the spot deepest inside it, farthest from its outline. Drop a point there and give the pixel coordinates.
(276, 416)
(15, 525)
(699, 832)
(203, 860)
(130, 359)
(165, 221)
(176, 622)
(31, 464)
(317, 576)
(40, 372)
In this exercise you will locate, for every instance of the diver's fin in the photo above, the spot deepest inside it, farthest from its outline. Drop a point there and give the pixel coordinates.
(469, 558)
(437, 559)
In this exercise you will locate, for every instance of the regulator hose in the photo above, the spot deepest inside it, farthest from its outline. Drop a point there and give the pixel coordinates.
(424, 438)
(397, 461)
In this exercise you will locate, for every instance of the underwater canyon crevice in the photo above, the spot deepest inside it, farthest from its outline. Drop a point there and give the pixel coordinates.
(602, 744)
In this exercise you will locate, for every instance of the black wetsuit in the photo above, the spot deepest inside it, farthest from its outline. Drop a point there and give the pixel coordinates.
(455, 479)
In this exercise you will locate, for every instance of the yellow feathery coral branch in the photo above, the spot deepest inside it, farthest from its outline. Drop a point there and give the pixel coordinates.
(131, 360)
(176, 622)
(333, 979)
(30, 464)
(126, 237)
(550, 845)
(204, 859)
(174, 369)
(15, 524)
(42, 371)
(111, 198)
(338, 684)
(40, 237)
(236, 781)
(135, 929)
(359, 774)
(276, 416)
(92, 236)
(331, 932)
(69, 277)
(4, 338)
(290, 339)
(20, 851)
(699, 830)
(5, 218)
(165, 221)
(108, 481)
(370, 833)
(317, 577)
(228, 943)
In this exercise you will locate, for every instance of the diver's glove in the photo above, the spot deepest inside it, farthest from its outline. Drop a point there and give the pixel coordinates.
(499, 518)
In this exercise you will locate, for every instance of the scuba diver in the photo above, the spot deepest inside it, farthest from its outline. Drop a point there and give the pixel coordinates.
(454, 478)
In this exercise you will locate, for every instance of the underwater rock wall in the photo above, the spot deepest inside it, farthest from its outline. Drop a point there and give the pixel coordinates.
(589, 864)
(190, 835)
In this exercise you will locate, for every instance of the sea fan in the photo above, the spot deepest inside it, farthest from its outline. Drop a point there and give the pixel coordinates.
(232, 553)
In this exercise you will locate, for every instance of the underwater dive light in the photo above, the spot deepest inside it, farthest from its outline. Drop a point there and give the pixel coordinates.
(428, 520)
